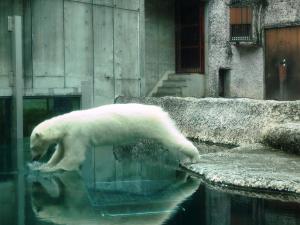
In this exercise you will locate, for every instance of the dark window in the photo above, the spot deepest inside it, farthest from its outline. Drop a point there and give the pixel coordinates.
(241, 23)
(224, 82)
(37, 110)
(189, 36)
(5, 137)
(5, 120)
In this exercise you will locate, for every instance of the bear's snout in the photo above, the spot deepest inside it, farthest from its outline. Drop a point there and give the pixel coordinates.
(35, 157)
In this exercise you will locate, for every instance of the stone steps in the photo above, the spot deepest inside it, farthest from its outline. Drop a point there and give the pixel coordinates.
(177, 77)
(174, 83)
(168, 91)
(172, 86)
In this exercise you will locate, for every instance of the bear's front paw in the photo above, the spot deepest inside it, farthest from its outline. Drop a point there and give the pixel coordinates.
(193, 160)
(35, 165)
(47, 169)
(196, 159)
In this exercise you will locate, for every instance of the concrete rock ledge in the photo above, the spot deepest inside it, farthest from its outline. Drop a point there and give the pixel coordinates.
(253, 166)
(245, 123)
(233, 121)
(285, 136)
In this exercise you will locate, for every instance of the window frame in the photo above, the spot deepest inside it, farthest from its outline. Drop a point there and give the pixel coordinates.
(243, 30)
(27, 128)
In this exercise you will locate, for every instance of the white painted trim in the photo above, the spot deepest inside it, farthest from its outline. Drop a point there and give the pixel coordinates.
(5, 92)
(52, 91)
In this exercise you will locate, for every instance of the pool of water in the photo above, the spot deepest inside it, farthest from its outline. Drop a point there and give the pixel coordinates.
(133, 192)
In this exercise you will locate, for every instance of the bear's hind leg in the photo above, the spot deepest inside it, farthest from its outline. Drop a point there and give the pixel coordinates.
(183, 146)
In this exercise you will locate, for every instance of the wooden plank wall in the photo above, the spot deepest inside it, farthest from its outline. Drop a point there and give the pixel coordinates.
(282, 43)
(241, 15)
(47, 43)
(70, 41)
(103, 53)
(126, 41)
(78, 22)
(5, 47)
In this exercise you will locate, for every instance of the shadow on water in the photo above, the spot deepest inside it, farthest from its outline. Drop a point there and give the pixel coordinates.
(127, 190)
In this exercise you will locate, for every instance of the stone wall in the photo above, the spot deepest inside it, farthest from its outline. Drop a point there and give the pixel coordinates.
(282, 12)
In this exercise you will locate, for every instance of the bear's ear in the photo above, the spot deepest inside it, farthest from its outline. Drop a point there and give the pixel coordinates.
(38, 135)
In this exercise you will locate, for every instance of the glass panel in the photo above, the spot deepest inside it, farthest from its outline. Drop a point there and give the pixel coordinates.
(241, 210)
(137, 193)
(5, 120)
(5, 137)
(37, 110)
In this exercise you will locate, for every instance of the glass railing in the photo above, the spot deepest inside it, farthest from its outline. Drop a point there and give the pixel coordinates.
(130, 185)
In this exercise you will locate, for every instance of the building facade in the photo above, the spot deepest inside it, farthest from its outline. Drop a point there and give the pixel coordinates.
(252, 68)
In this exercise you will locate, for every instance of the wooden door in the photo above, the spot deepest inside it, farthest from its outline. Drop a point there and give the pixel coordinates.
(189, 36)
(282, 67)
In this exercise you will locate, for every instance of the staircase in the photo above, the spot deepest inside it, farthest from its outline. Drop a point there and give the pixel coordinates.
(172, 86)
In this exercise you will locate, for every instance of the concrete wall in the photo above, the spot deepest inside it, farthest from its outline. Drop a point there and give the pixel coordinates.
(67, 42)
(195, 86)
(159, 40)
(120, 53)
(217, 51)
(246, 63)
(76, 41)
(5, 49)
(282, 12)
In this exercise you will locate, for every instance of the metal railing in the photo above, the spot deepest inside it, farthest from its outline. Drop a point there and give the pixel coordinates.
(241, 32)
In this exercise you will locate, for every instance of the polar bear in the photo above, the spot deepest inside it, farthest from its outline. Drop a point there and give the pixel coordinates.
(74, 132)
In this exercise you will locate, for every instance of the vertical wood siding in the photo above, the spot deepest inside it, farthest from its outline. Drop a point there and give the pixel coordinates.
(70, 41)
(282, 43)
(5, 47)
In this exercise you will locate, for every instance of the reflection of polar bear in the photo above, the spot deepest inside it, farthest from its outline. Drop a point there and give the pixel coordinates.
(106, 125)
(62, 199)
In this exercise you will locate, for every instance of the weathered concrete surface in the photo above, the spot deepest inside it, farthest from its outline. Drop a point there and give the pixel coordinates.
(159, 41)
(253, 166)
(288, 11)
(286, 136)
(231, 121)
(242, 122)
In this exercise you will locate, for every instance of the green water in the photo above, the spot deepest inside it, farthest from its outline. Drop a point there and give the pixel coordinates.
(130, 191)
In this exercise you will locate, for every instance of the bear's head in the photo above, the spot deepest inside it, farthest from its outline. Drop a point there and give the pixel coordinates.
(38, 144)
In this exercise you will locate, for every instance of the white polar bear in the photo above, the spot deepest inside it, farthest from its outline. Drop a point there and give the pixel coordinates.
(76, 131)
